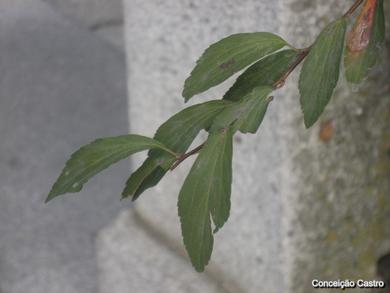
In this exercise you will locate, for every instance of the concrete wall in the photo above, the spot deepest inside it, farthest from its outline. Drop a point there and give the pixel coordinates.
(301, 207)
(91, 12)
(60, 87)
(105, 17)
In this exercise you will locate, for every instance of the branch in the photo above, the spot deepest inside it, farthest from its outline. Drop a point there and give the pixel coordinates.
(304, 52)
(280, 83)
(185, 156)
(277, 85)
(353, 8)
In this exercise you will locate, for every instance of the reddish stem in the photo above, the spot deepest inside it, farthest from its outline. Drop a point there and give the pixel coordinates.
(186, 155)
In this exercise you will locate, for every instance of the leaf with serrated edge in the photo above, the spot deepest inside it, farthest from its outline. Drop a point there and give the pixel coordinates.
(245, 115)
(320, 71)
(177, 133)
(228, 56)
(96, 156)
(206, 193)
(362, 55)
(265, 72)
(257, 107)
(150, 181)
(135, 182)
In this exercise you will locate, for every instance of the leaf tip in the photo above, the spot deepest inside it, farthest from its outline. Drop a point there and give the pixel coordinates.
(309, 121)
(133, 195)
(186, 94)
(51, 196)
(199, 269)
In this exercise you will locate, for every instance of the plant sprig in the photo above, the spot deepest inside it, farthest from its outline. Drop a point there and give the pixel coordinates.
(204, 199)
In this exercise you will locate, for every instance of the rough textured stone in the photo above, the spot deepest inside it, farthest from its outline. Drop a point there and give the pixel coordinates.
(337, 199)
(60, 87)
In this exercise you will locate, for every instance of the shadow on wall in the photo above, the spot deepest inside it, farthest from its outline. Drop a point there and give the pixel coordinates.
(383, 270)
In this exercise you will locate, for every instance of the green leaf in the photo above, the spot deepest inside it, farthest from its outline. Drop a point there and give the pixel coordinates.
(245, 115)
(265, 72)
(96, 156)
(257, 106)
(320, 71)
(228, 56)
(206, 193)
(177, 133)
(146, 176)
(359, 61)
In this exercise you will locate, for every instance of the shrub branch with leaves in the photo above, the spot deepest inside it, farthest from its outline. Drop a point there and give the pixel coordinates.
(204, 199)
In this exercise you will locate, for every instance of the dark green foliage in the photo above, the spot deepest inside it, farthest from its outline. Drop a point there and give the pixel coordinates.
(265, 72)
(96, 156)
(206, 194)
(320, 71)
(177, 133)
(146, 176)
(247, 114)
(204, 200)
(180, 131)
(228, 56)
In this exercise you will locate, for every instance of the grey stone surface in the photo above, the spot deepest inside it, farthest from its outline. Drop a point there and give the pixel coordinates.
(112, 34)
(91, 12)
(60, 87)
(151, 265)
(105, 17)
(301, 208)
